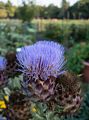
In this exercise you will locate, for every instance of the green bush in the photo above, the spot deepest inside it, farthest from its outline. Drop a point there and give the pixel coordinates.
(57, 32)
(76, 55)
(26, 12)
(66, 33)
(80, 32)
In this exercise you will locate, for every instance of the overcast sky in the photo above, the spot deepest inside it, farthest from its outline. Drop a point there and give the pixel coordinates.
(42, 2)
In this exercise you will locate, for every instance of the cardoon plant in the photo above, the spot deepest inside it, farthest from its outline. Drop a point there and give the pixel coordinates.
(45, 78)
(18, 107)
(3, 78)
(41, 64)
(68, 93)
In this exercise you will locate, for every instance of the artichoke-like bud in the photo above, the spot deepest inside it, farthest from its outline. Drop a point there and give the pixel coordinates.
(3, 76)
(68, 92)
(41, 63)
(11, 65)
(18, 107)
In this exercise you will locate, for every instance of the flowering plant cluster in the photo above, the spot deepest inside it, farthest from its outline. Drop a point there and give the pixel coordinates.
(44, 81)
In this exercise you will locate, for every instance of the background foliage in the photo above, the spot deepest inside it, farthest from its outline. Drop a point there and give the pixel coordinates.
(67, 32)
(76, 56)
(77, 11)
(74, 34)
(15, 36)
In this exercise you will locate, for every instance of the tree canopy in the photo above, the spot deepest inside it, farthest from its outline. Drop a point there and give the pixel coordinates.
(28, 11)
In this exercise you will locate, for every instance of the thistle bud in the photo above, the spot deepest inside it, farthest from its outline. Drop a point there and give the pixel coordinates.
(40, 64)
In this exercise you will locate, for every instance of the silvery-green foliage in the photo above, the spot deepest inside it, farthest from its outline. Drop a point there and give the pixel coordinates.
(43, 113)
(15, 35)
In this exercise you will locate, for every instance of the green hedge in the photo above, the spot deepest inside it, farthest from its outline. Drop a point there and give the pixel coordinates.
(66, 33)
(76, 55)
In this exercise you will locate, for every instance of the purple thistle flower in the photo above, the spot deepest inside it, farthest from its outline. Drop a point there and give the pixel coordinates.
(3, 78)
(42, 60)
(2, 63)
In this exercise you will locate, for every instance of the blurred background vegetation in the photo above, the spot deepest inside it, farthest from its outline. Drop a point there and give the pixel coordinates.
(77, 11)
(68, 25)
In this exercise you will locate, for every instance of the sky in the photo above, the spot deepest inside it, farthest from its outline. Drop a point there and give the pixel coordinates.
(42, 2)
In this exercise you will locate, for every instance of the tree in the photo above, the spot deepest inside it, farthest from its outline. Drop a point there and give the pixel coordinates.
(53, 11)
(10, 9)
(2, 5)
(84, 9)
(26, 12)
(50, 11)
(80, 10)
(3, 11)
(64, 7)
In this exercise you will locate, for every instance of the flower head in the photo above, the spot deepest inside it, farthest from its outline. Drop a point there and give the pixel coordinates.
(42, 60)
(41, 63)
(2, 63)
(2, 71)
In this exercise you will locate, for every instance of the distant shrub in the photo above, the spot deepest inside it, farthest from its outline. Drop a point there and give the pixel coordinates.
(26, 12)
(80, 32)
(68, 34)
(76, 55)
(57, 32)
